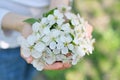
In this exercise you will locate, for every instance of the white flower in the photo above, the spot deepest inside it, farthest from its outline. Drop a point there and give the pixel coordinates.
(40, 47)
(51, 19)
(31, 39)
(64, 8)
(64, 50)
(52, 45)
(80, 51)
(57, 17)
(38, 64)
(65, 39)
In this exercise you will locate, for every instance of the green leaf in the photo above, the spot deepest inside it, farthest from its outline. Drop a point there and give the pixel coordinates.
(31, 20)
(49, 12)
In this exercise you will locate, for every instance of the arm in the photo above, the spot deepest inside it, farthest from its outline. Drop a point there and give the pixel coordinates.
(12, 21)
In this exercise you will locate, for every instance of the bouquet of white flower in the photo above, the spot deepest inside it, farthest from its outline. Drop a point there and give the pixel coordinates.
(59, 35)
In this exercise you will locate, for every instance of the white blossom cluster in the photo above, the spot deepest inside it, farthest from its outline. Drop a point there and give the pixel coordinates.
(59, 36)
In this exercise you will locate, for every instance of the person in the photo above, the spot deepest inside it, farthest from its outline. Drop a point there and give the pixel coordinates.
(14, 66)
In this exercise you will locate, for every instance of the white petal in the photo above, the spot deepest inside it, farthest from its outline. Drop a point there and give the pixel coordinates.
(64, 50)
(58, 14)
(46, 30)
(40, 66)
(50, 60)
(25, 52)
(23, 42)
(68, 38)
(44, 21)
(55, 33)
(36, 54)
(64, 8)
(66, 27)
(60, 21)
(48, 51)
(60, 45)
(37, 64)
(75, 59)
(68, 15)
(75, 22)
(56, 51)
(80, 51)
(63, 38)
(52, 45)
(74, 62)
(31, 39)
(39, 47)
(35, 27)
(50, 17)
(46, 39)
(70, 47)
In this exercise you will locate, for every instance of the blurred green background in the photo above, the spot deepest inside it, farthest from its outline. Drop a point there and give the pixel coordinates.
(104, 63)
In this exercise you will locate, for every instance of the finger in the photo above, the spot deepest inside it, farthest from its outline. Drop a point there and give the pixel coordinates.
(55, 66)
(29, 59)
(67, 65)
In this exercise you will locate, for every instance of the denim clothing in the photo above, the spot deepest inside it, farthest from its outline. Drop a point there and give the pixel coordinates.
(13, 67)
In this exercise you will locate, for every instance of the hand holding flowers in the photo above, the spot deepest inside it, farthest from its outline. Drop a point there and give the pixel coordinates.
(60, 36)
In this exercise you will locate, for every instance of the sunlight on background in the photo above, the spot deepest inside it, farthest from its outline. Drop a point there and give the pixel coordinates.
(104, 63)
